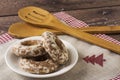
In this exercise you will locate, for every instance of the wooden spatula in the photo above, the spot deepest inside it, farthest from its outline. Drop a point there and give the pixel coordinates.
(40, 17)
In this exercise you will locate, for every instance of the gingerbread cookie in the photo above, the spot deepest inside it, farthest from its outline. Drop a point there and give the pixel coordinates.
(29, 48)
(55, 48)
(38, 67)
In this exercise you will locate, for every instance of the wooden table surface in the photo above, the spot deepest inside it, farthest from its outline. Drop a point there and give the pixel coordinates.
(93, 12)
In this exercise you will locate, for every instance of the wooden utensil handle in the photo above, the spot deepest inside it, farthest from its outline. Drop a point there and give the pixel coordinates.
(86, 37)
(97, 29)
(103, 29)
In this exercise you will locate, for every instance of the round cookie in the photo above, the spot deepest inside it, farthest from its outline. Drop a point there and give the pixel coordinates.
(38, 67)
(29, 48)
(55, 48)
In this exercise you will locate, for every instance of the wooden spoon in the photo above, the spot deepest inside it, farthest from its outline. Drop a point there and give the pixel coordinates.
(22, 30)
(38, 16)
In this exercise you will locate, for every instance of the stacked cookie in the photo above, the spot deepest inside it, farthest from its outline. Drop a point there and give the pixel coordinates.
(41, 56)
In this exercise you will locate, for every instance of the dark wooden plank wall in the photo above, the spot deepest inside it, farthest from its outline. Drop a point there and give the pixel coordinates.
(10, 7)
(93, 12)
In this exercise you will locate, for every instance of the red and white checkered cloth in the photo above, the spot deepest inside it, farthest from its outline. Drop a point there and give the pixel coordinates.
(72, 22)
(5, 38)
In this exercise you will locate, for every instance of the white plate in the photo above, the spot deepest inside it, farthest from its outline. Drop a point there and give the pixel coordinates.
(12, 61)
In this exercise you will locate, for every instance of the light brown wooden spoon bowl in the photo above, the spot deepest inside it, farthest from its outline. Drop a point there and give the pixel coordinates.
(40, 17)
(22, 30)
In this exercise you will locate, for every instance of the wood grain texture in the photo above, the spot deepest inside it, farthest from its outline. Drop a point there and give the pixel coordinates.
(10, 7)
(99, 16)
(91, 3)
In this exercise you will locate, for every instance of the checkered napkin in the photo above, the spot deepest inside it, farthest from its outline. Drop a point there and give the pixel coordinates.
(83, 70)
